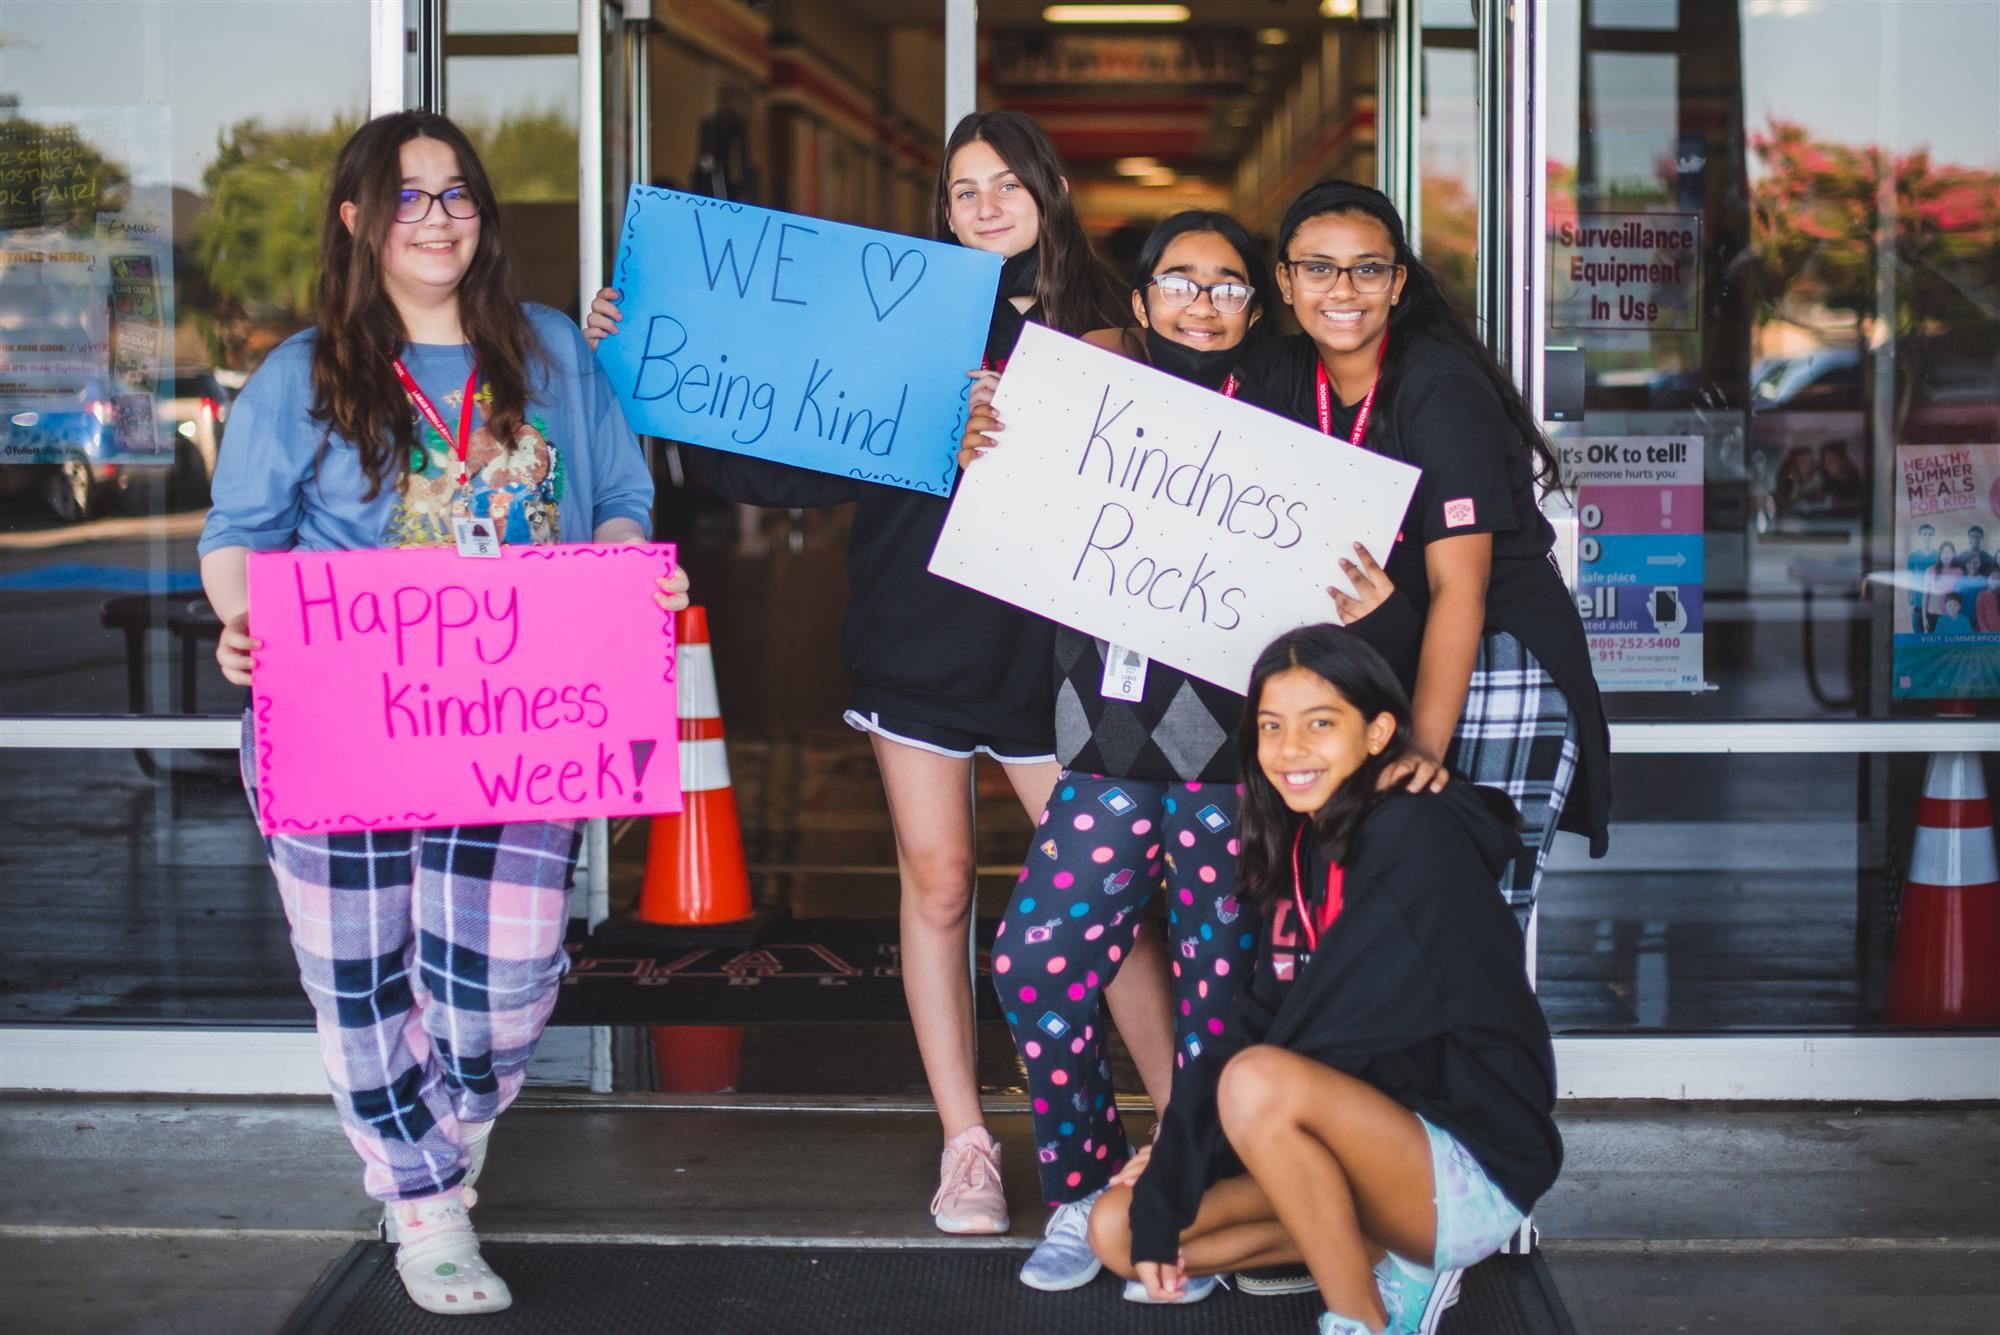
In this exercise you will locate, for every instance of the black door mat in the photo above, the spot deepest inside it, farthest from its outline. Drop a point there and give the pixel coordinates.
(609, 1290)
(805, 970)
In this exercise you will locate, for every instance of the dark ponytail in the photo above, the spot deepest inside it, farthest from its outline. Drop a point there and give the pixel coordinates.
(1422, 308)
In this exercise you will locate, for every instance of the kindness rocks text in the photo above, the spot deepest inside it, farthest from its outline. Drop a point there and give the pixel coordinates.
(1158, 515)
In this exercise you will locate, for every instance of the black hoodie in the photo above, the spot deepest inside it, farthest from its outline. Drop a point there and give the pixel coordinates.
(1419, 987)
(917, 645)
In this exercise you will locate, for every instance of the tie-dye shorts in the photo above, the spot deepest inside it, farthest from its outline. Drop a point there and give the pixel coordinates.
(1474, 1220)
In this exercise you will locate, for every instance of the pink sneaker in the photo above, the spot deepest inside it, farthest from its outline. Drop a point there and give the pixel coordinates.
(969, 1196)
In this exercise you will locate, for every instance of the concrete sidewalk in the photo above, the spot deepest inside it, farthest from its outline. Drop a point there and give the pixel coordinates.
(207, 1216)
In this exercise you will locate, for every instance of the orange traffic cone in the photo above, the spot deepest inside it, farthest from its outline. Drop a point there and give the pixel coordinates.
(1947, 969)
(696, 886)
(697, 1058)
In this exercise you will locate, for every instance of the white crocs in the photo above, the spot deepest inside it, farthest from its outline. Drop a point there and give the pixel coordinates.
(437, 1256)
(473, 1135)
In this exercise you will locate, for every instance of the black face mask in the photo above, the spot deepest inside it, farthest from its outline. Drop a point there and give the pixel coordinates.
(1207, 367)
(1018, 273)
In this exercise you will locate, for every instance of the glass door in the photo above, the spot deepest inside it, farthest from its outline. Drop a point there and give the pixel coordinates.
(1762, 311)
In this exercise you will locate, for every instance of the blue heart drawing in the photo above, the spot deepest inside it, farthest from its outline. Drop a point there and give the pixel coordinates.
(889, 281)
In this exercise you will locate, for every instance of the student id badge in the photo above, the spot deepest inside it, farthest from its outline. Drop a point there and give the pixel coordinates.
(1124, 674)
(475, 537)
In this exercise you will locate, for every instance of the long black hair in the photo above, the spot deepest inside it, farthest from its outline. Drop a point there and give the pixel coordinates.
(1366, 681)
(1422, 307)
(1076, 291)
(1194, 221)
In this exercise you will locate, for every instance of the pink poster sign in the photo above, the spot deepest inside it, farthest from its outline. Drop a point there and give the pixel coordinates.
(407, 689)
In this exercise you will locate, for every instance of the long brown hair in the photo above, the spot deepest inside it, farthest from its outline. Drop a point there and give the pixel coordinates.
(1075, 290)
(355, 392)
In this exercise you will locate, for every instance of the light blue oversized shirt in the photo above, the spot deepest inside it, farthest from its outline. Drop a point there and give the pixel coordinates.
(575, 461)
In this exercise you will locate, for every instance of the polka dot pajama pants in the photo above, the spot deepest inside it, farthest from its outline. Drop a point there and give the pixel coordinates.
(1105, 848)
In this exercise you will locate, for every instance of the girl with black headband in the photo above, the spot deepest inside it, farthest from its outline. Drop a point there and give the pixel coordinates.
(941, 672)
(1503, 689)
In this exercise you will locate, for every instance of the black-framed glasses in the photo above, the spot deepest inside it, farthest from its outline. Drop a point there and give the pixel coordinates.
(1370, 278)
(1178, 290)
(413, 206)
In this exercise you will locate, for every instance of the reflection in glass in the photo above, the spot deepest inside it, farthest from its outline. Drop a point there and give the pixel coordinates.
(521, 114)
(1774, 237)
(1448, 160)
(178, 213)
(1794, 277)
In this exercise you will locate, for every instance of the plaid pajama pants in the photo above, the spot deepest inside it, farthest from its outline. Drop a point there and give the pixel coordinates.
(1517, 734)
(432, 960)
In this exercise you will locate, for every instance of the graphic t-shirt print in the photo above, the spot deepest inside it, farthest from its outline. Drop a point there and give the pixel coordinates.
(516, 484)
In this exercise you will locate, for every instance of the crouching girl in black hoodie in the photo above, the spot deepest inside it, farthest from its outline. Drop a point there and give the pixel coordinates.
(1379, 1105)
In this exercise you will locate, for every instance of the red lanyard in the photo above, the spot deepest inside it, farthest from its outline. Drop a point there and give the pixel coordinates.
(1230, 386)
(988, 364)
(436, 419)
(1367, 404)
(1328, 910)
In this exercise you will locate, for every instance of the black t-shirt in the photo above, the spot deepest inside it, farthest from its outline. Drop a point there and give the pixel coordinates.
(1435, 409)
(917, 646)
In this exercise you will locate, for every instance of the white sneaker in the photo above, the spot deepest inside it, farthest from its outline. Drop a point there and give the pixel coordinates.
(1063, 1259)
(1197, 1288)
(1329, 1324)
(438, 1260)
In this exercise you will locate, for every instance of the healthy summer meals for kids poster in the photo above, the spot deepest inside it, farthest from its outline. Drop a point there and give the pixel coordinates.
(1947, 582)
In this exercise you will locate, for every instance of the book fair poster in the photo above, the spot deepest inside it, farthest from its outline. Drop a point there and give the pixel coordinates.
(1947, 637)
(1639, 558)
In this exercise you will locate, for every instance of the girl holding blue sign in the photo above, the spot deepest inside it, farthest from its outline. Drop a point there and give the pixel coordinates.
(942, 673)
(1503, 689)
(1148, 797)
(431, 956)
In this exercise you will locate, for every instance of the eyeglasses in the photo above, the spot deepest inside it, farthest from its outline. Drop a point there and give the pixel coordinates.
(413, 206)
(1370, 278)
(1227, 298)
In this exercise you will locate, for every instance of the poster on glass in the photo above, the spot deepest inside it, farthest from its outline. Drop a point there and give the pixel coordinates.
(1947, 644)
(1639, 558)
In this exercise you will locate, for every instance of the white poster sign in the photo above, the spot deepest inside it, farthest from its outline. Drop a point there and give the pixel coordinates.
(1159, 515)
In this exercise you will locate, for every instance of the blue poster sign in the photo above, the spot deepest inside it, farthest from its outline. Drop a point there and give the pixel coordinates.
(814, 343)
